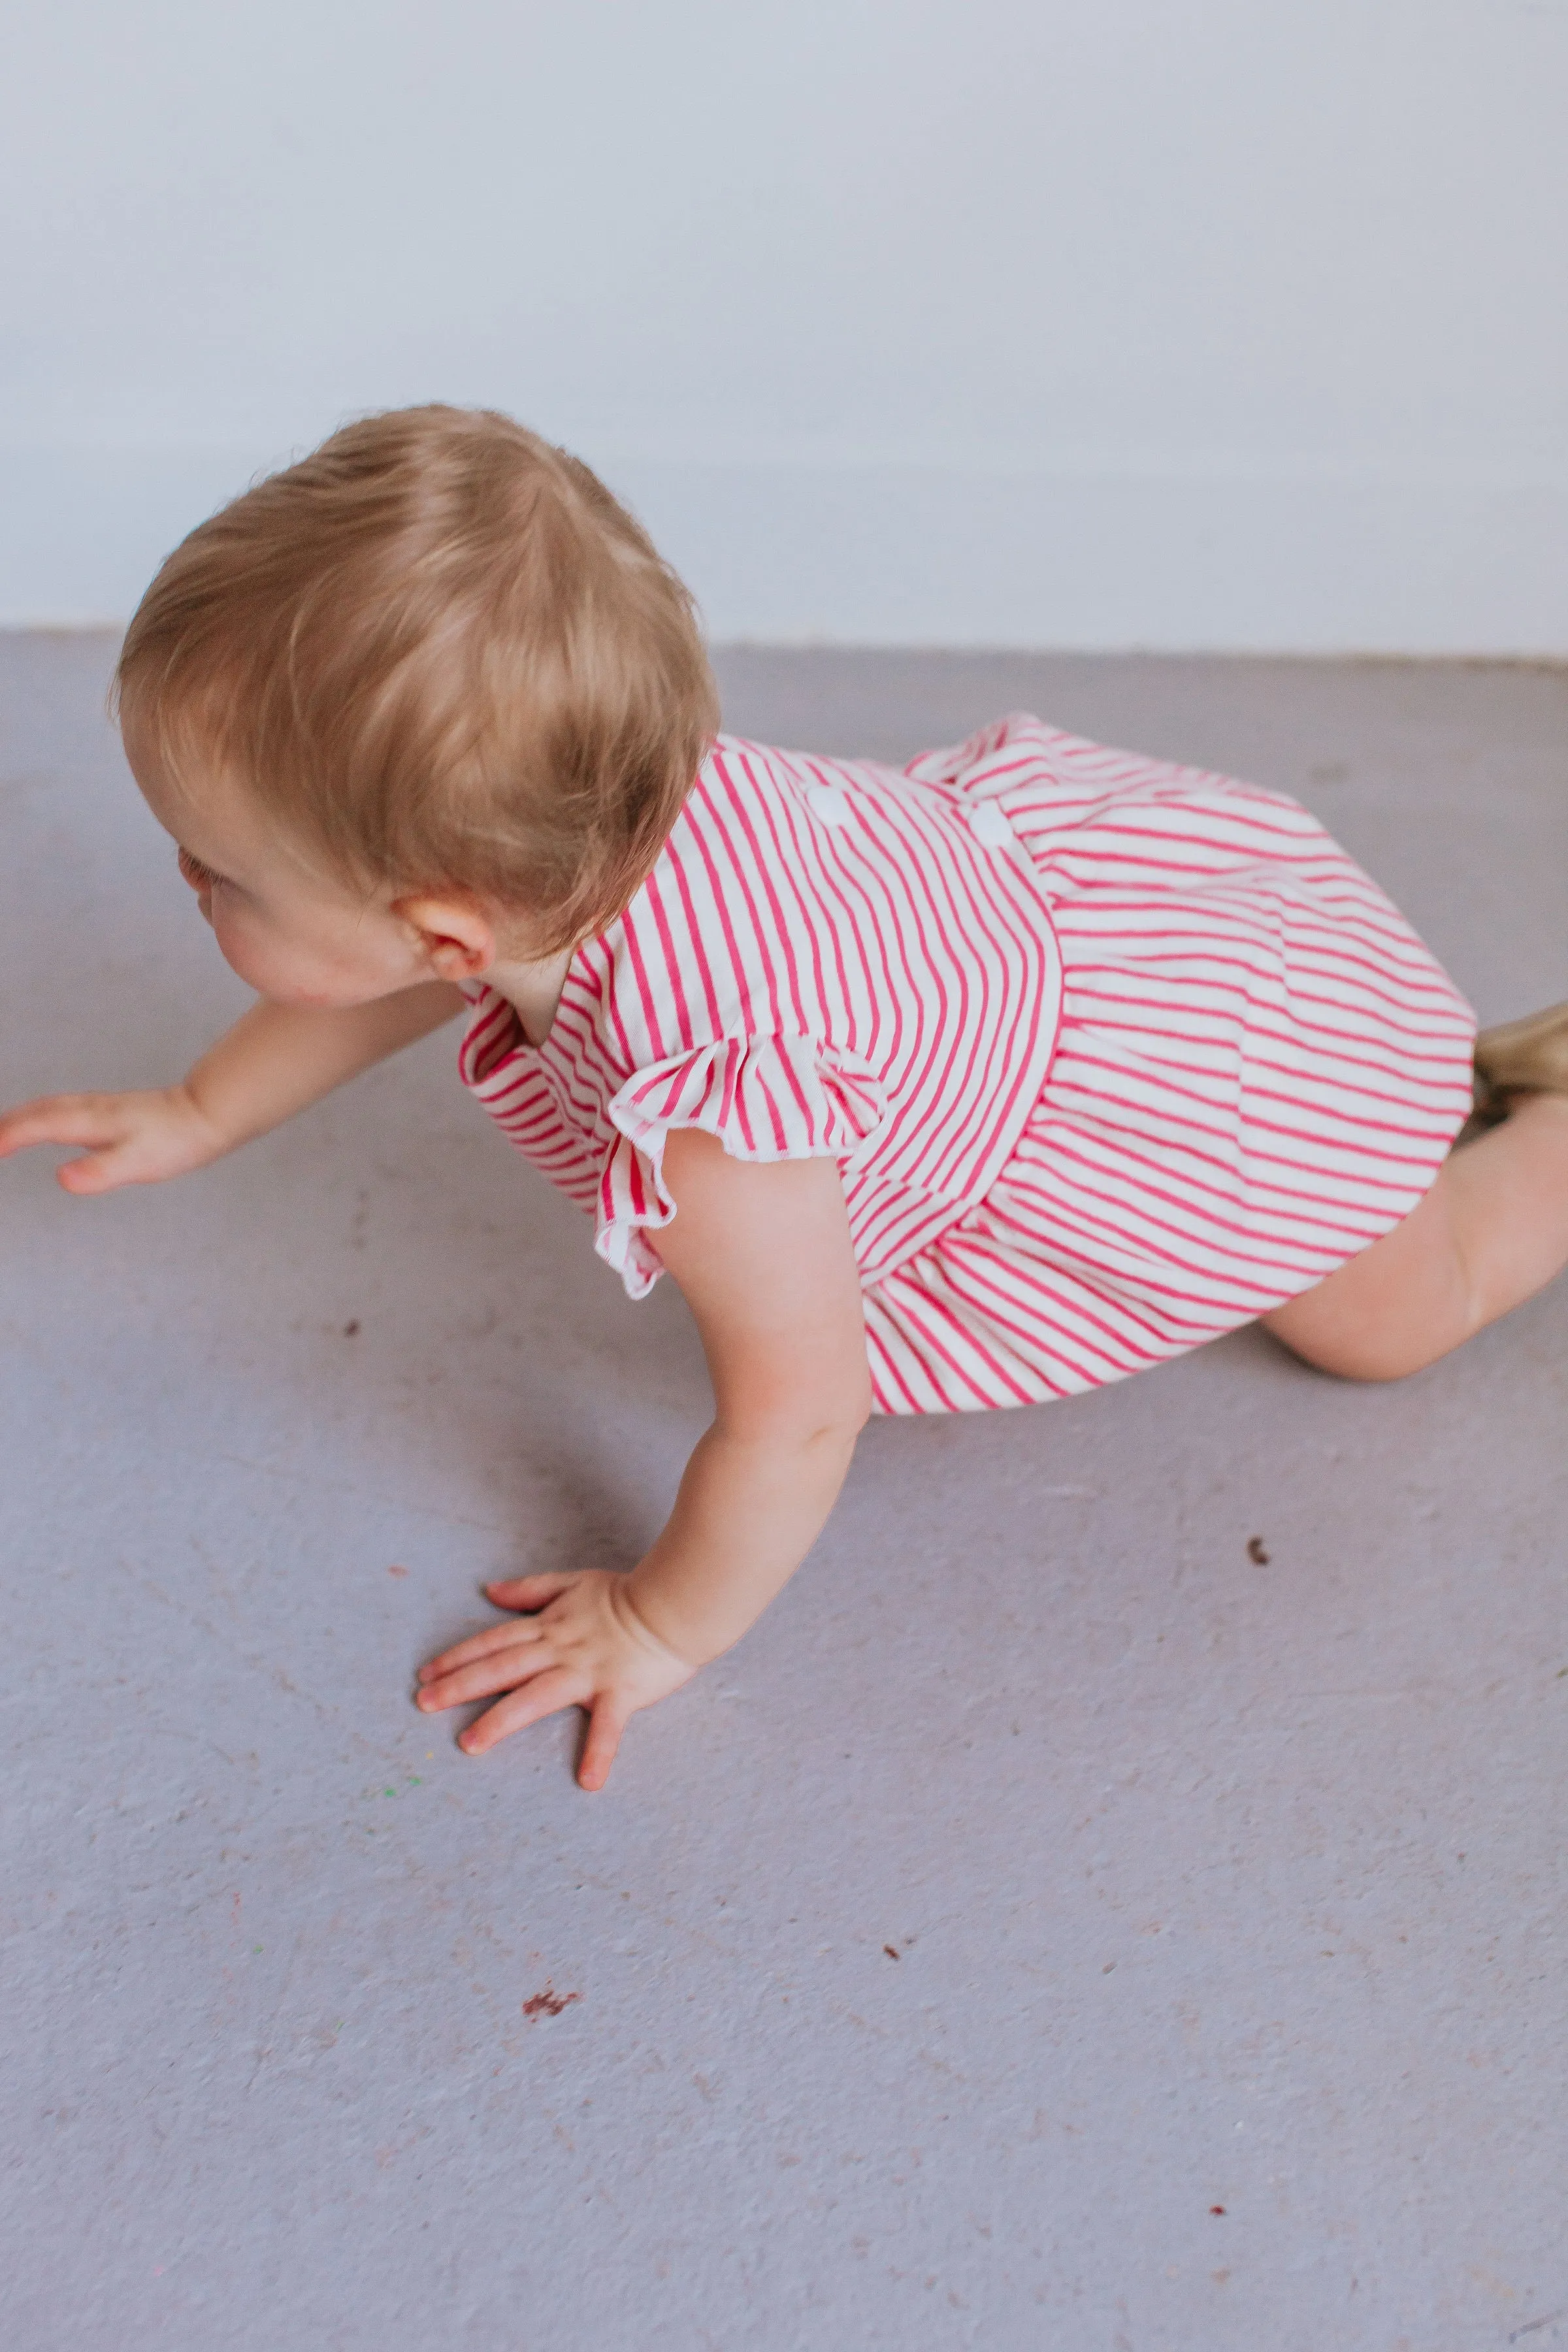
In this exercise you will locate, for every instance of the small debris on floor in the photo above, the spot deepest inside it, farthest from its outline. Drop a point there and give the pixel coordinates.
(395, 1570)
(549, 2003)
(351, 1330)
(1216, 2208)
(1256, 1551)
(890, 1952)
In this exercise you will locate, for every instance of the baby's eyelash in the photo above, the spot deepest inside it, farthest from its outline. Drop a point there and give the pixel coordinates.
(194, 870)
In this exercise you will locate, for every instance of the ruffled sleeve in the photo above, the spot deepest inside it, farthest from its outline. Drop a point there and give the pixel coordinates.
(766, 1099)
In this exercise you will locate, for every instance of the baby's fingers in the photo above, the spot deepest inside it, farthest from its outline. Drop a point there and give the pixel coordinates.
(531, 1592)
(609, 1718)
(544, 1696)
(104, 1127)
(59, 1118)
(501, 1670)
(102, 1168)
(479, 1645)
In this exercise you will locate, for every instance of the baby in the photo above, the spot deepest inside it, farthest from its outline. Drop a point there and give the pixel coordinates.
(968, 1085)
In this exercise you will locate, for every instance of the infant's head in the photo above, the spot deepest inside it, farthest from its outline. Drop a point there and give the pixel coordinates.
(435, 659)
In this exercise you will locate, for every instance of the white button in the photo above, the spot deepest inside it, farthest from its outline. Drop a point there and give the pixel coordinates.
(828, 804)
(991, 825)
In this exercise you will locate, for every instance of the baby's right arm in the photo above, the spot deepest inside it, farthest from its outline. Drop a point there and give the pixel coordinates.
(275, 1060)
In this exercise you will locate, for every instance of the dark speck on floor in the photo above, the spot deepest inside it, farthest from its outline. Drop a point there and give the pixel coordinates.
(549, 2003)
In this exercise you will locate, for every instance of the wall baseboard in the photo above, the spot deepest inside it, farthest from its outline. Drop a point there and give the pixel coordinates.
(1224, 561)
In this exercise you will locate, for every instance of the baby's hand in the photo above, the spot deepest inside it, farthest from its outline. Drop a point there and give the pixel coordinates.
(137, 1139)
(581, 1644)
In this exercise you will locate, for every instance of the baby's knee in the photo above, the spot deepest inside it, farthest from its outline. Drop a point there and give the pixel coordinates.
(1370, 1359)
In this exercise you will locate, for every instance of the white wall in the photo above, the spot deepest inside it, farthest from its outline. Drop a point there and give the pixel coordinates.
(1236, 323)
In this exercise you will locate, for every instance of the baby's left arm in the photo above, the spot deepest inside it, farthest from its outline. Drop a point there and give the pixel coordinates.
(762, 1255)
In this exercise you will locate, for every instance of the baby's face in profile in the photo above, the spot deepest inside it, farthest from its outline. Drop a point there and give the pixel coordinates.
(293, 934)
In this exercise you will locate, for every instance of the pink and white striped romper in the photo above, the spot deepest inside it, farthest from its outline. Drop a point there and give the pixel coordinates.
(1113, 1054)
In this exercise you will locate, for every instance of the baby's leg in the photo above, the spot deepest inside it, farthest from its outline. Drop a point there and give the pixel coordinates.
(1492, 1232)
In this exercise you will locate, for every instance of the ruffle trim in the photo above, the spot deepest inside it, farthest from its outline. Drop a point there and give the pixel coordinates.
(766, 1099)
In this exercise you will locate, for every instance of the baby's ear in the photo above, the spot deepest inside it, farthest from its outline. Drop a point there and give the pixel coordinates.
(454, 934)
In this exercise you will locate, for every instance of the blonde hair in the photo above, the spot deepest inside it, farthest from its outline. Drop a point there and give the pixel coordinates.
(439, 652)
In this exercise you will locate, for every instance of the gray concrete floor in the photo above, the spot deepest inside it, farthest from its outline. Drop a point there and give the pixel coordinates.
(1228, 2013)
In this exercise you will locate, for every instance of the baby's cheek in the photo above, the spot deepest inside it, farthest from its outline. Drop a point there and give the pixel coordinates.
(289, 970)
(249, 951)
